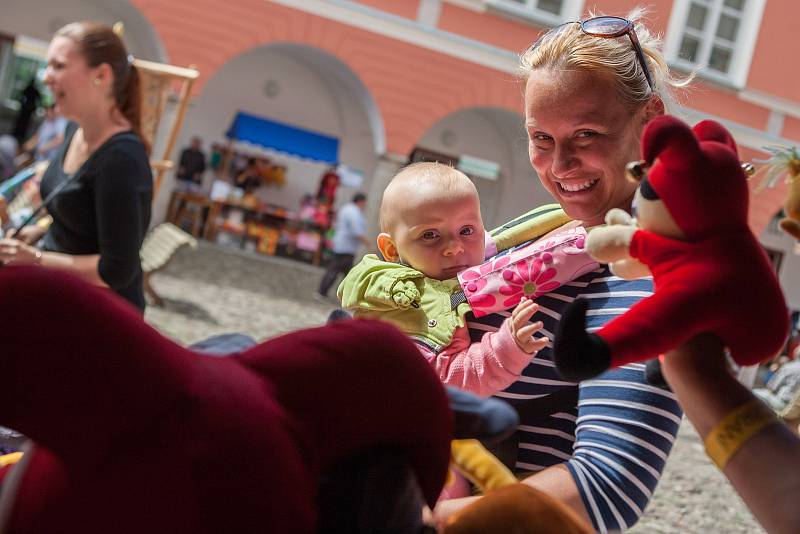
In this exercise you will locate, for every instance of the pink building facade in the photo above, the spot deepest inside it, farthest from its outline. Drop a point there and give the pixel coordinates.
(388, 77)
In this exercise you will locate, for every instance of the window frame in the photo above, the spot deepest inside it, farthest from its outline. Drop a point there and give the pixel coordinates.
(571, 10)
(742, 49)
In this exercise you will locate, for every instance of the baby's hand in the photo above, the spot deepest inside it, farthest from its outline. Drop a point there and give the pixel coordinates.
(522, 330)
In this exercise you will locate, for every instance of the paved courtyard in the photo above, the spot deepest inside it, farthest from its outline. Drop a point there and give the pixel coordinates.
(214, 290)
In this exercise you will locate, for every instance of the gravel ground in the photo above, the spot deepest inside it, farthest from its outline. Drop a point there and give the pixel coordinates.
(213, 290)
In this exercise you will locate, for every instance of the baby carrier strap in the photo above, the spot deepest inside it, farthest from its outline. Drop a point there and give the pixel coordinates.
(531, 225)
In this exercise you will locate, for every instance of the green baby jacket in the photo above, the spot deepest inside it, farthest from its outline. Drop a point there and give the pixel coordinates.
(419, 306)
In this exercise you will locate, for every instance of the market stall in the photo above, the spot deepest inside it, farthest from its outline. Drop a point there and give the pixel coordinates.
(267, 172)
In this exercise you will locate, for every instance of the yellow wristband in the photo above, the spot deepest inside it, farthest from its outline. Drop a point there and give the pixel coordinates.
(735, 429)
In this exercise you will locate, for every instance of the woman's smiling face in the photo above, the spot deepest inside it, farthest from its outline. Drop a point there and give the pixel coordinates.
(69, 77)
(581, 136)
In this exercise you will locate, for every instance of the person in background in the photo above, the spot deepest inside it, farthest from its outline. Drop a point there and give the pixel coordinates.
(249, 179)
(326, 196)
(192, 164)
(8, 153)
(99, 181)
(44, 144)
(350, 234)
(29, 101)
(783, 384)
(215, 159)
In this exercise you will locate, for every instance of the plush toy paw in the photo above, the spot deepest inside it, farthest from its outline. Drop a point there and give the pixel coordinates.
(608, 244)
(618, 216)
(630, 269)
(481, 467)
(486, 419)
(577, 354)
(653, 374)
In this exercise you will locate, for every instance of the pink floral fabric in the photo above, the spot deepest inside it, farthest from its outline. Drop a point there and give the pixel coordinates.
(531, 271)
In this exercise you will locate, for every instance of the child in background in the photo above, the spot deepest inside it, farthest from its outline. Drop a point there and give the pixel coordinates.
(431, 228)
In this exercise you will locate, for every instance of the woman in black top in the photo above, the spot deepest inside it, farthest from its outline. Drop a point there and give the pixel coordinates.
(102, 209)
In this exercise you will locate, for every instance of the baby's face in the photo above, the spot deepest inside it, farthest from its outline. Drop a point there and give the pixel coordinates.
(441, 236)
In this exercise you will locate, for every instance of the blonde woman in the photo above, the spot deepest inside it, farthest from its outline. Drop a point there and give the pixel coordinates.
(599, 446)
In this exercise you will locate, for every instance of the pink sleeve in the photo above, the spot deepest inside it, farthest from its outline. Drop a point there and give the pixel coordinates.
(484, 367)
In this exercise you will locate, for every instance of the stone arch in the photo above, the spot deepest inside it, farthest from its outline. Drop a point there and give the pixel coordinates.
(141, 38)
(432, 86)
(301, 86)
(496, 135)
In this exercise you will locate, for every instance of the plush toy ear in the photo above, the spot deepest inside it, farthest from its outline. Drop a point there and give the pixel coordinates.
(671, 141)
(709, 130)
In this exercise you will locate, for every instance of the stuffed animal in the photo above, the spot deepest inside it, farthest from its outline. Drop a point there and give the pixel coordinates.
(519, 509)
(785, 162)
(691, 232)
(132, 433)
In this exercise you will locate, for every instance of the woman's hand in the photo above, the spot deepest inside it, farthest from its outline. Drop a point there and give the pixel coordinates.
(28, 235)
(16, 252)
(522, 330)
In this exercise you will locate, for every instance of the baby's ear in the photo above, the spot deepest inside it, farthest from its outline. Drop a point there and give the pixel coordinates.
(387, 247)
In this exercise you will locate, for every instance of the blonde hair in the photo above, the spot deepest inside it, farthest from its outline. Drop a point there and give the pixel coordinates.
(423, 178)
(566, 47)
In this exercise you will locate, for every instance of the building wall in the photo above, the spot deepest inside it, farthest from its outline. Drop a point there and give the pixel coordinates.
(413, 87)
(421, 69)
(299, 94)
(770, 71)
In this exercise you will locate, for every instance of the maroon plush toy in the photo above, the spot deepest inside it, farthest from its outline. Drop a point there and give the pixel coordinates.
(709, 271)
(132, 433)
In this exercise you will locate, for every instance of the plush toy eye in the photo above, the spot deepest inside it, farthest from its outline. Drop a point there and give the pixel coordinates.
(636, 170)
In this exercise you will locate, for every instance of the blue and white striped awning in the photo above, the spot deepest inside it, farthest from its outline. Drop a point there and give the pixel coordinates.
(284, 138)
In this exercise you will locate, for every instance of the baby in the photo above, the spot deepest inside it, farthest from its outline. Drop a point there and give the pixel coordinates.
(431, 229)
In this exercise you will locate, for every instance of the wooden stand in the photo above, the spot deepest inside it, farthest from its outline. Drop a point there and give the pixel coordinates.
(157, 80)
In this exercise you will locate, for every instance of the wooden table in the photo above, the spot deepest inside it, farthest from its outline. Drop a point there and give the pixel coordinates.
(208, 229)
(181, 201)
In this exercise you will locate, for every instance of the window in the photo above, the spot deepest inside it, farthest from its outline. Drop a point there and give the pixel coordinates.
(717, 37)
(22, 62)
(547, 12)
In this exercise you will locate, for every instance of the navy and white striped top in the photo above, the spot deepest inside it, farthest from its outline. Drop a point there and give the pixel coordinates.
(616, 441)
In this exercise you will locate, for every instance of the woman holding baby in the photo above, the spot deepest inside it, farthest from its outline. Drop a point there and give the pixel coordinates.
(599, 446)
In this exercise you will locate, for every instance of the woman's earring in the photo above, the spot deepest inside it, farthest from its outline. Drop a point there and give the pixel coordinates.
(97, 81)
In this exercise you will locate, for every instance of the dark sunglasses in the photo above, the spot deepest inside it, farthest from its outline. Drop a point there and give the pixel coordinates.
(609, 28)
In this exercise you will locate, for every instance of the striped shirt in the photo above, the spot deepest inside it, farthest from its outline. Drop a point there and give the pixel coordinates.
(616, 441)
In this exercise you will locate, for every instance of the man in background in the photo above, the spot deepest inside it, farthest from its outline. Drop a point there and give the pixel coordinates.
(44, 144)
(192, 164)
(350, 232)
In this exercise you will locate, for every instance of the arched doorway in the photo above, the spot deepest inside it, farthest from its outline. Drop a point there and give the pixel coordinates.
(303, 87)
(39, 19)
(496, 139)
(27, 26)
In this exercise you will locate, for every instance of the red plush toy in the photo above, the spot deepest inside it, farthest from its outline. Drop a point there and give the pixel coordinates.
(132, 433)
(709, 271)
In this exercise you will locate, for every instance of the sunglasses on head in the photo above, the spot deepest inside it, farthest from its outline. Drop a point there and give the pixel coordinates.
(609, 28)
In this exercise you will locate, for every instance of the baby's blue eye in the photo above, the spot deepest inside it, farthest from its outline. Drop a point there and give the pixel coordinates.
(430, 234)
(467, 230)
